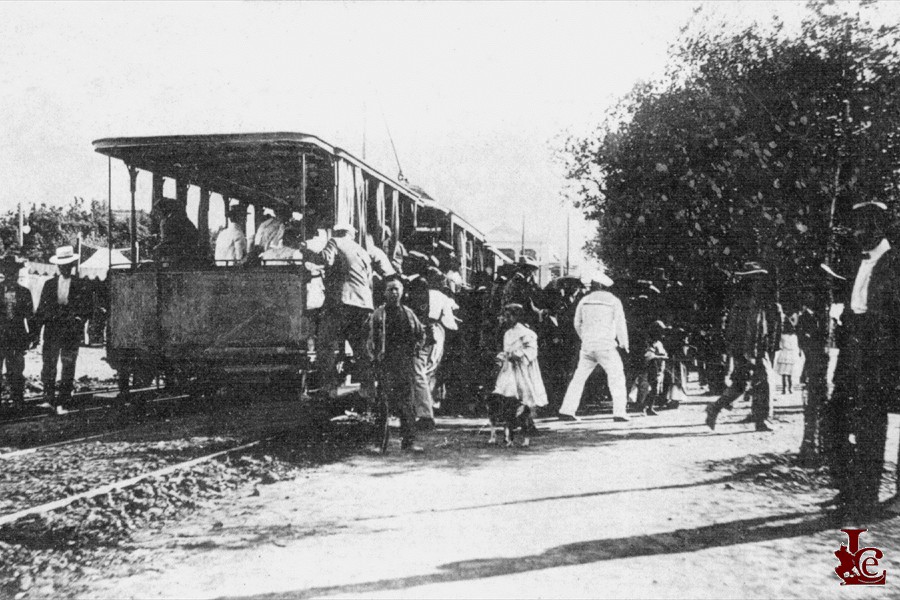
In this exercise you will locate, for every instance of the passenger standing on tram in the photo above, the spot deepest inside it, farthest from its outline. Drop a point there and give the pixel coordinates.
(231, 243)
(16, 314)
(348, 304)
(63, 308)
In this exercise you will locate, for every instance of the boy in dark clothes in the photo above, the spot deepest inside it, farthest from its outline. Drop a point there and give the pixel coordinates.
(394, 337)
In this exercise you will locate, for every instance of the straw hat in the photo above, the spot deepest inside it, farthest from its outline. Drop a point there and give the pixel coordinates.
(64, 255)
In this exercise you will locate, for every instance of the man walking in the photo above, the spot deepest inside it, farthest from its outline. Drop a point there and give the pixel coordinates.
(600, 324)
(751, 332)
(16, 313)
(62, 311)
(394, 335)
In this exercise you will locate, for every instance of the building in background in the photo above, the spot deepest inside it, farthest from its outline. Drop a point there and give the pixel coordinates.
(508, 241)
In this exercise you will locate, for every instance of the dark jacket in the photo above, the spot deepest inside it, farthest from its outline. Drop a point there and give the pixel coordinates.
(377, 350)
(16, 317)
(882, 330)
(60, 320)
(180, 243)
(752, 327)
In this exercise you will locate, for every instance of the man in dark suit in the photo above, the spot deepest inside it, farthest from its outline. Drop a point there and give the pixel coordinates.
(62, 311)
(16, 313)
(752, 333)
(868, 368)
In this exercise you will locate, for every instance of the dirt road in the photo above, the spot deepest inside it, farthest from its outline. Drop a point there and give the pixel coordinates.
(657, 508)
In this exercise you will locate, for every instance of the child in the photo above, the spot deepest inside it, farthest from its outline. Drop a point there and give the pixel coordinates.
(788, 356)
(394, 338)
(520, 375)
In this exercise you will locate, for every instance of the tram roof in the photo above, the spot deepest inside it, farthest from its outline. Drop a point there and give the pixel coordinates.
(232, 163)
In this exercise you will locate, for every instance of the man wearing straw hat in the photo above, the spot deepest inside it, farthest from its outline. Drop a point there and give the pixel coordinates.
(16, 313)
(63, 308)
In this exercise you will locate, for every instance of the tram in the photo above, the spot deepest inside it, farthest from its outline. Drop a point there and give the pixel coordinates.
(220, 322)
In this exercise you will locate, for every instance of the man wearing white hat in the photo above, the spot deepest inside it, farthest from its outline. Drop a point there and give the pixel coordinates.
(600, 324)
(62, 310)
(348, 303)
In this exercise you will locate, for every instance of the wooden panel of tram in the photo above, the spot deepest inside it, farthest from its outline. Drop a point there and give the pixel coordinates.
(228, 316)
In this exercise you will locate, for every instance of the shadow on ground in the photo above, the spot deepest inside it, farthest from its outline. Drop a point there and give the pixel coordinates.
(580, 553)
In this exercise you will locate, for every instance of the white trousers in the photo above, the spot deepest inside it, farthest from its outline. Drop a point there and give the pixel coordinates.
(610, 361)
(428, 359)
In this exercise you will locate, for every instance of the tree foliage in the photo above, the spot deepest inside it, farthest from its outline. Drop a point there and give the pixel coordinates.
(53, 226)
(754, 146)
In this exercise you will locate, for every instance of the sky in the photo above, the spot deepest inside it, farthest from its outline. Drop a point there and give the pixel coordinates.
(477, 96)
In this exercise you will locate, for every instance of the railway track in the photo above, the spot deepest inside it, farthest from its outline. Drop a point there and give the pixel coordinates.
(46, 507)
(36, 478)
(85, 402)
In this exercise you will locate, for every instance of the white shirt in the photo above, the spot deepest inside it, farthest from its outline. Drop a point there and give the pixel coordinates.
(600, 321)
(231, 244)
(859, 299)
(62, 290)
(269, 233)
(441, 307)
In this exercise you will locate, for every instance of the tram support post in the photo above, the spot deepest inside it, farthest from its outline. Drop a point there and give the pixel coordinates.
(203, 216)
(132, 175)
(303, 183)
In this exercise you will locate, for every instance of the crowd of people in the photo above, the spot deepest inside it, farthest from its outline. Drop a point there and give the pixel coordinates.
(406, 326)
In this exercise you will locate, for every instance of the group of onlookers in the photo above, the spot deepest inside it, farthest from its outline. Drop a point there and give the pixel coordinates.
(65, 305)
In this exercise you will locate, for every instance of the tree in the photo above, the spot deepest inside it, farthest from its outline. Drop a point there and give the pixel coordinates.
(54, 226)
(754, 146)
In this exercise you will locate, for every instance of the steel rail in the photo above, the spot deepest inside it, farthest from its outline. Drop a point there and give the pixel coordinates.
(124, 483)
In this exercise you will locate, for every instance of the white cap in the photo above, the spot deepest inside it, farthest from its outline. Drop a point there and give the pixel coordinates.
(601, 278)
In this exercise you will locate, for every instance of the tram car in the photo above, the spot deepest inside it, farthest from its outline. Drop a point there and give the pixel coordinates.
(202, 321)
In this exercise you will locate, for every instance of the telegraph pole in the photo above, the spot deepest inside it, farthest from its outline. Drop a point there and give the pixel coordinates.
(21, 228)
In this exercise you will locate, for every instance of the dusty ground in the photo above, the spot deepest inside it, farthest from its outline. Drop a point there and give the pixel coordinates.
(656, 508)
(91, 364)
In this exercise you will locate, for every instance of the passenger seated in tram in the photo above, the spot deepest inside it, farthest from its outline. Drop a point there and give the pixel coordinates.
(270, 232)
(231, 243)
(285, 251)
(180, 243)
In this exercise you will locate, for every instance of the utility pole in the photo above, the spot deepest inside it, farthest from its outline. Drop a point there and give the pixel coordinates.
(522, 247)
(21, 228)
